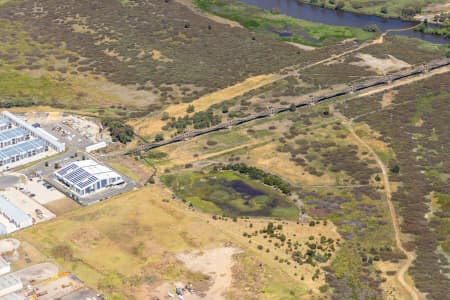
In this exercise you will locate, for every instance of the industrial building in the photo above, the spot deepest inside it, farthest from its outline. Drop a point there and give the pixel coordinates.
(5, 267)
(16, 217)
(9, 284)
(87, 176)
(12, 296)
(20, 141)
(36, 132)
(21, 151)
(4, 124)
(13, 136)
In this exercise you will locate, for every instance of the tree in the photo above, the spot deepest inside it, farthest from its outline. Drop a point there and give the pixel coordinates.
(165, 116)
(224, 109)
(159, 137)
(190, 109)
(292, 107)
(371, 28)
(395, 169)
(384, 10)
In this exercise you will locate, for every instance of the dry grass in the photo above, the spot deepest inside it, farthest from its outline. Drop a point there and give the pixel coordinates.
(149, 126)
(391, 287)
(270, 160)
(62, 206)
(104, 238)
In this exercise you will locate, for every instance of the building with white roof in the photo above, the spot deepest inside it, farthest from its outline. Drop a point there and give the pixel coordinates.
(17, 218)
(5, 267)
(21, 143)
(4, 124)
(12, 296)
(37, 132)
(13, 136)
(21, 151)
(87, 176)
(9, 283)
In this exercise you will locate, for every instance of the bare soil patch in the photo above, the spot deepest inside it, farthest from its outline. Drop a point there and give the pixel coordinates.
(380, 65)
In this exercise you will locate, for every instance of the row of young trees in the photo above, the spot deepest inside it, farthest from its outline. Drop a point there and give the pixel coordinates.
(201, 119)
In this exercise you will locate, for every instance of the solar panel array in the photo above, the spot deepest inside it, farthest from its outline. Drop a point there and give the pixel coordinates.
(21, 149)
(87, 173)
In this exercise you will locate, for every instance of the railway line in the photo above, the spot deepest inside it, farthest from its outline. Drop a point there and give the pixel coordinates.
(270, 111)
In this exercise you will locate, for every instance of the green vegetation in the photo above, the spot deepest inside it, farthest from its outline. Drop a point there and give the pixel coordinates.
(257, 174)
(444, 29)
(228, 193)
(119, 131)
(395, 9)
(280, 26)
(187, 56)
(423, 170)
(201, 119)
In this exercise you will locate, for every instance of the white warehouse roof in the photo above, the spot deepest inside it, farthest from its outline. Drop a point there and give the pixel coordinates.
(85, 173)
(9, 283)
(13, 213)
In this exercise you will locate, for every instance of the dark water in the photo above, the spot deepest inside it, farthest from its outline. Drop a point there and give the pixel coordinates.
(340, 18)
(245, 189)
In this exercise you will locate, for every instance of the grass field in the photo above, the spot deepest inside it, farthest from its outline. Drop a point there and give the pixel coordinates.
(128, 243)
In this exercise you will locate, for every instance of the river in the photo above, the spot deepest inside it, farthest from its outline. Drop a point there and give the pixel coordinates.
(328, 16)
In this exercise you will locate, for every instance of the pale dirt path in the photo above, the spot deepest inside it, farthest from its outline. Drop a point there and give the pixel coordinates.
(410, 288)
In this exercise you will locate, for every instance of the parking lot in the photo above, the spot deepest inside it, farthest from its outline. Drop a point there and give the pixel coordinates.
(25, 202)
(77, 133)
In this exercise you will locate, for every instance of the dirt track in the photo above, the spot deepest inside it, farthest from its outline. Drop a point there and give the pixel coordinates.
(410, 288)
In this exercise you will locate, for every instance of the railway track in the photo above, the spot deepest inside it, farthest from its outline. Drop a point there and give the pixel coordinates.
(385, 80)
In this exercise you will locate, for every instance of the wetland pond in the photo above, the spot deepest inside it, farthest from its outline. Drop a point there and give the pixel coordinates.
(231, 194)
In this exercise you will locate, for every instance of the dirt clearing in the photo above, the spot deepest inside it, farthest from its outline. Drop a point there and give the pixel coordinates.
(380, 65)
(216, 263)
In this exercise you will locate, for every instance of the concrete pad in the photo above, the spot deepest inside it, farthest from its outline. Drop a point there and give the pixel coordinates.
(58, 288)
(28, 205)
(82, 294)
(39, 272)
(7, 181)
(42, 194)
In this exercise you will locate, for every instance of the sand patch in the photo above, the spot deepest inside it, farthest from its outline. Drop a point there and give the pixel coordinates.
(157, 55)
(380, 65)
(238, 89)
(216, 263)
(388, 98)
